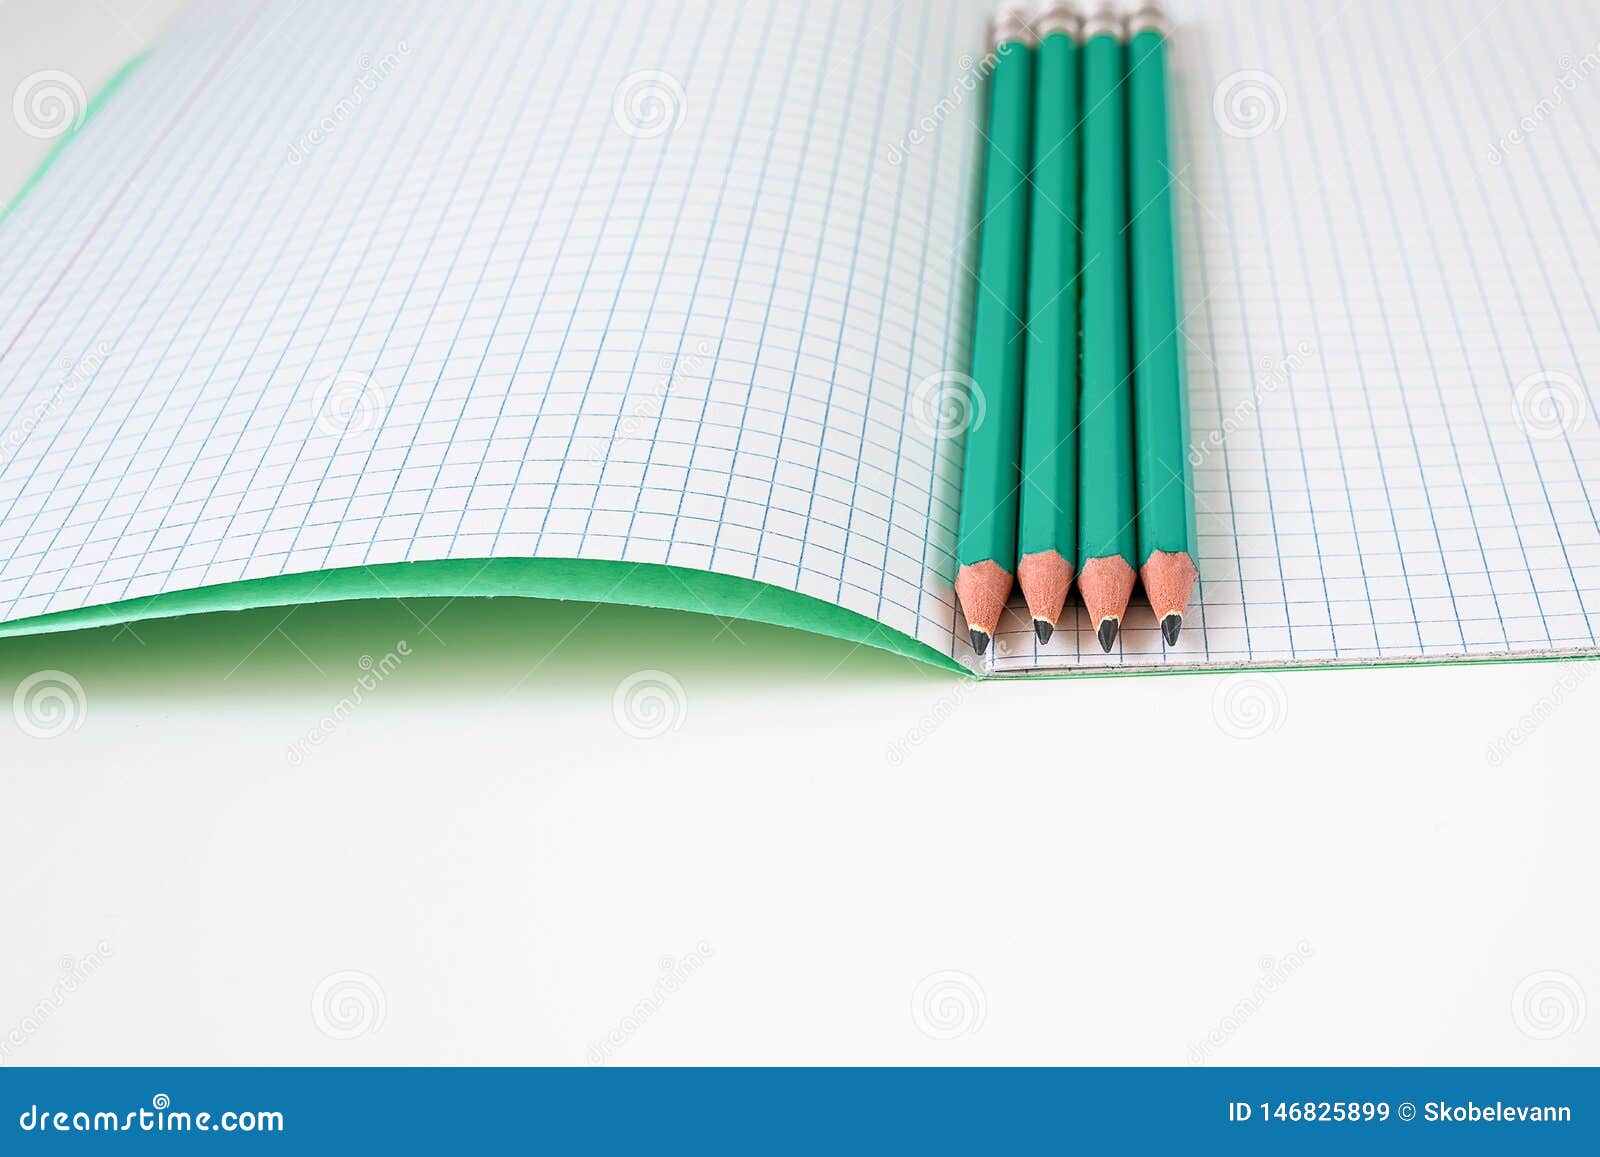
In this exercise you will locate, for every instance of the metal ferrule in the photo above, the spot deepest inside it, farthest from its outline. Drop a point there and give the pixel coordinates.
(1012, 26)
(1060, 16)
(1149, 18)
(1105, 20)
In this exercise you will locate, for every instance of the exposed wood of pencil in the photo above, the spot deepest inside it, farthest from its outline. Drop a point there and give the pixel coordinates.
(1106, 585)
(1045, 578)
(1169, 579)
(983, 588)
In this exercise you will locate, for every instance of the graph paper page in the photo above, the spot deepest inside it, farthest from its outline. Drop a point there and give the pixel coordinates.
(687, 283)
(660, 283)
(1391, 262)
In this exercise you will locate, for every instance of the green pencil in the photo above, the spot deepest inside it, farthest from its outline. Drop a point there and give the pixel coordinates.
(1105, 431)
(1161, 424)
(1047, 525)
(987, 544)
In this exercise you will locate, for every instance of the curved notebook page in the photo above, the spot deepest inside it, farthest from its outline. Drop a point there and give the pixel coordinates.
(655, 283)
(685, 282)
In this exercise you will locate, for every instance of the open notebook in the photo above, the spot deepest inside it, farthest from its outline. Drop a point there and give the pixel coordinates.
(378, 298)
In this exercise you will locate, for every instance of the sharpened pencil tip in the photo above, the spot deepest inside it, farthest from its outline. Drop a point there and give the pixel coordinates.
(1043, 629)
(980, 640)
(1107, 634)
(1170, 626)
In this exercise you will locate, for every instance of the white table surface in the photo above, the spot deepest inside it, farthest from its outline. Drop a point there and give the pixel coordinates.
(833, 856)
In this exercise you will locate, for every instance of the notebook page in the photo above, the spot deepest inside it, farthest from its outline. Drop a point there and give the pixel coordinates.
(670, 282)
(1391, 263)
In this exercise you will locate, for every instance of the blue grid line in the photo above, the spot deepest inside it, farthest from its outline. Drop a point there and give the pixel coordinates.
(104, 284)
(395, 190)
(966, 237)
(1455, 318)
(571, 59)
(208, 74)
(1290, 376)
(622, 277)
(833, 183)
(930, 486)
(718, 361)
(1231, 234)
(226, 477)
(266, 327)
(1185, 137)
(914, 102)
(514, 43)
(1555, 309)
(1324, 177)
(1470, 251)
(761, 339)
(883, 299)
(1394, 356)
(50, 225)
(632, 55)
(113, 392)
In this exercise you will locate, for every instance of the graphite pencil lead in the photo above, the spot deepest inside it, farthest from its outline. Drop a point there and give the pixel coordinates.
(1042, 630)
(1106, 584)
(1045, 577)
(982, 590)
(1169, 578)
(980, 640)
